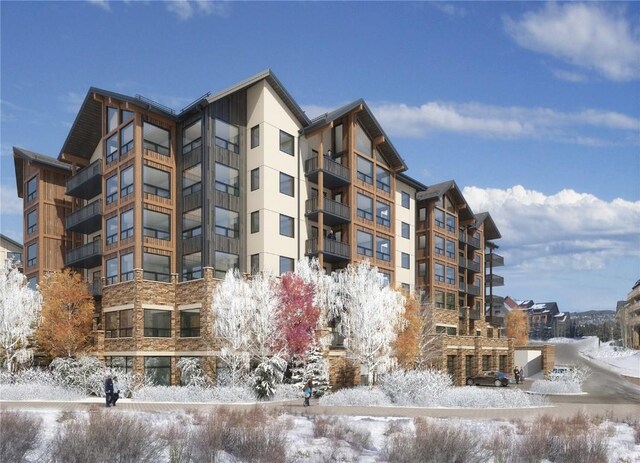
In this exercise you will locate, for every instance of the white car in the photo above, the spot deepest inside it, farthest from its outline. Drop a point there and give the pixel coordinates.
(560, 372)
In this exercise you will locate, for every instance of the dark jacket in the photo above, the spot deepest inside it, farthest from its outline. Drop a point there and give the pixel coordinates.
(108, 386)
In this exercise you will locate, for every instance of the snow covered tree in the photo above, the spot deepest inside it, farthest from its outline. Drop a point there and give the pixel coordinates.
(67, 314)
(265, 335)
(370, 317)
(407, 344)
(316, 369)
(430, 351)
(517, 326)
(19, 316)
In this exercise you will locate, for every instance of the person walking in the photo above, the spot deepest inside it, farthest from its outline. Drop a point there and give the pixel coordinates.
(115, 395)
(522, 374)
(516, 374)
(108, 390)
(308, 389)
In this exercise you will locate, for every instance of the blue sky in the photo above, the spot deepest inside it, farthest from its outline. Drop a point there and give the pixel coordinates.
(533, 108)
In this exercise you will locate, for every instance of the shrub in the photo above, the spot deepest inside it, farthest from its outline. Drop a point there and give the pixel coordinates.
(416, 387)
(361, 396)
(266, 376)
(35, 383)
(20, 435)
(84, 374)
(191, 373)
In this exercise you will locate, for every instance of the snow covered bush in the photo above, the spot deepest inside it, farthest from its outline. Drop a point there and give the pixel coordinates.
(230, 394)
(191, 373)
(568, 383)
(415, 387)
(266, 376)
(84, 374)
(361, 396)
(33, 384)
(474, 397)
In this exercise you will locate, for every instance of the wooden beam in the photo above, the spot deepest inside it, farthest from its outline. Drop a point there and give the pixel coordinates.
(378, 140)
(74, 159)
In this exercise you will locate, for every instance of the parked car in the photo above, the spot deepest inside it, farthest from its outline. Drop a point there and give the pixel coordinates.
(560, 372)
(489, 378)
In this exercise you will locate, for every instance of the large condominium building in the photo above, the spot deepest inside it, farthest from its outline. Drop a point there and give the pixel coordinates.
(154, 206)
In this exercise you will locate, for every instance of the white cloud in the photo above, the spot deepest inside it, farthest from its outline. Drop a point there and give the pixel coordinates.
(185, 9)
(569, 76)
(590, 36)
(11, 204)
(104, 4)
(448, 8)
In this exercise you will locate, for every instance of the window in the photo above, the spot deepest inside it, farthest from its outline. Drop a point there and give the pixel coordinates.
(32, 222)
(365, 243)
(451, 223)
(422, 214)
(286, 265)
(451, 249)
(255, 221)
(227, 136)
(406, 200)
(255, 136)
(485, 362)
(383, 214)
(452, 331)
(286, 226)
(502, 362)
(365, 170)
(406, 288)
(121, 363)
(112, 271)
(405, 260)
(224, 262)
(32, 254)
(383, 179)
(451, 365)
(422, 241)
(439, 245)
(111, 148)
(365, 207)
(32, 188)
(156, 182)
(406, 230)
(126, 182)
(158, 369)
(112, 189)
(156, 267)
(439, 218)
(286, 143)
(451, 275)
(363, 142)
(451, 301)
(126, 267)
(192, 137)
(440, 273)
(255, 263)
(192, 223)
(227, 180)
(386, 278)
(156, 225)
(126, 139)
(155, 138)
(125, 115)
(440, 299)
(112, 118)
(111, 325)
(286, 184)
(337, 137)
(190, 323)
(255, 179)
(192, 266)
(192, 180)
(422, 269)
(383, 249)
(227, 223)
(126, 224)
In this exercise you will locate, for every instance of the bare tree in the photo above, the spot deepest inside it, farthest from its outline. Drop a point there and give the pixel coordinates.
(430, 340)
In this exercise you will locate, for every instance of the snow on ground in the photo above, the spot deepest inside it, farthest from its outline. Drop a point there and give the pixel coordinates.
(618, 359)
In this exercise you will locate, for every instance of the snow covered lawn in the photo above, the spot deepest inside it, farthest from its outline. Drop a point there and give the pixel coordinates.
(623, 361)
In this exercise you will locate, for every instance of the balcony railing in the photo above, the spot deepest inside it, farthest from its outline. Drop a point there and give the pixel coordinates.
(469, 289)
(334, 211)
(333, 250)
(86, 183)
(474, 314)
(87, 219)
(494, 299)
(496, 259)
(494, 280)
(463, 237)
(466, 263)
(336, 173)
(86, 256)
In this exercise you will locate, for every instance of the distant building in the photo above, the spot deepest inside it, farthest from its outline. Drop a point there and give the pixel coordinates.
(545, 319)
(10, 251)
(628, 316)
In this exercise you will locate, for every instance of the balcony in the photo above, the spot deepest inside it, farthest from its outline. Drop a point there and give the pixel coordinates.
(494, 300)
(474, 314)
(334, 251)
(468, 264)
(492, 259)
(469, 289)
(495, 321)
(335, 174)
(95, 288)
(86, 256)
(86, 220)
(463, 237)
(335, 213)
(87, 182)
(494, 280)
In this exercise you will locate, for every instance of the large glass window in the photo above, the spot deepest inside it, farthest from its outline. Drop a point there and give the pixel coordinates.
(451, 275)
(111, 325)
(32, 188)
(450, 301)
(157, 323)
(156, 267)
(363, 142)
(406, 230)
(126, 224)
(111, 147)
(112, 189)
(286, 226)
(406, 262)
(121, 363)
(227, 223)
(365, 207)
(227, 179)
(439, 245)
(451, 223)
(158, 370)
(365, 243)
(439, 299)
(32, 254)
(383, 214)
(422, 269)
(255, 136)
(286, 143)
(255, 263)
(156, 138)
(255, 179)
(112, 118)
(422, 214)
(126, 182)
(365, 170)
(126, 267)
(439, 218)
(125, 115)
(156, 224)
(224, 262)
(112, 271)
(156, 182)
(255, 221)
(337, 138)
(286, 184)
(383, 249)
(192, 223)
(440, 273)
(406, 200)
(126, 139)
(383, 179)
(422, 241)
(286, 265)
(192, 179)
(227, 136)
(32, 221)
(192, 137)
(192, 266)
(451, 249)
(190, 323)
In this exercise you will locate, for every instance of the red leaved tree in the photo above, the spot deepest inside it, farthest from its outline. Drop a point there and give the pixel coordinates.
(297, 315)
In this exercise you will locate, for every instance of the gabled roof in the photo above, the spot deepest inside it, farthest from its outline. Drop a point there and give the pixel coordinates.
(491, 231)
(20, 155)
(440, 189)
(370, 125)
(15, 243)
(412, 182)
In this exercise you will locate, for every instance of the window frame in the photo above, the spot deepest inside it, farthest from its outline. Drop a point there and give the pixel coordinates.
(255, 136)
(165, 150)
(31, 195)
(156, 233)
(126, 233)
(33, 227)
(405, 199)
(255, 179)
(224, 230)
(255, 221)
(287, 220)
(405, 230)
(405, 260)
(153, 189)
(126, 276)
(287, 179)
(290, 264)
(380, 255)
(223, 142)
(363, 250)
(32, 260)
(111, 197)
(230, 189)
(126, 190)
(284, 143)
(126, 148)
